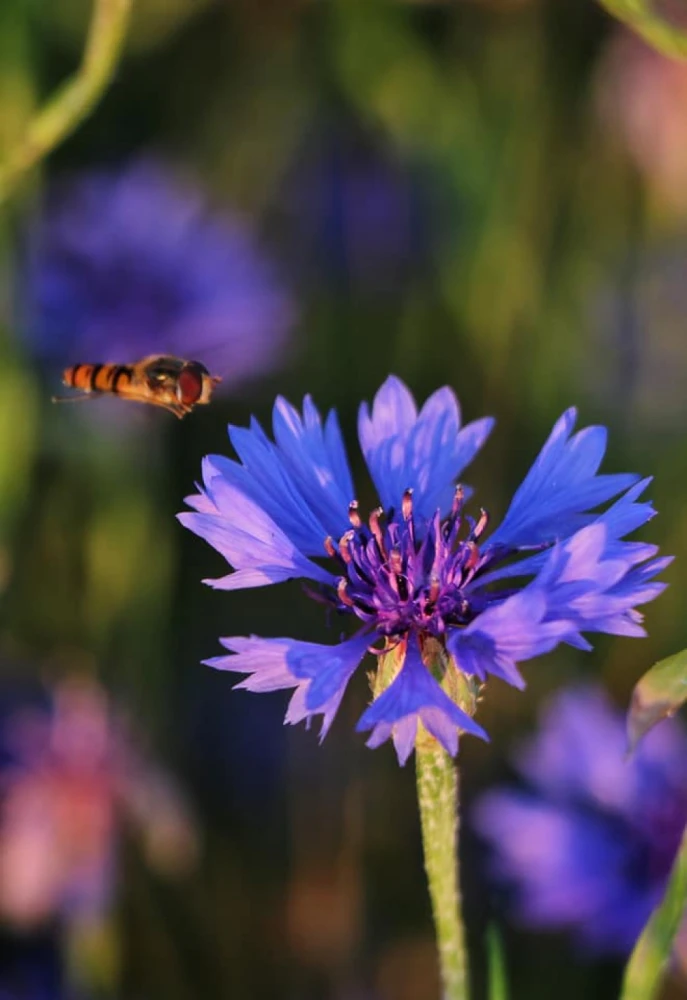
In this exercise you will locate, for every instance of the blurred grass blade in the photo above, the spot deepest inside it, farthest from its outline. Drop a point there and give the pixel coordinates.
(670, 39)
(657, 695)
(651, 955)
(68, 107)
(498, 989)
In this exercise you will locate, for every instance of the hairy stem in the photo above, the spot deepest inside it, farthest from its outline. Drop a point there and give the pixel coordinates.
(437, 793)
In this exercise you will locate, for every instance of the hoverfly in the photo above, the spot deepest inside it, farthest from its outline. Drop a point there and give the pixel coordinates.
(160, 379)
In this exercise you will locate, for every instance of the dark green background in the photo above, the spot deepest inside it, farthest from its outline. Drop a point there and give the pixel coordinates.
(535, 274)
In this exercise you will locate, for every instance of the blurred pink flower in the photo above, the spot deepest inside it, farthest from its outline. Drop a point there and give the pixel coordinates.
(642, 97)
(77, 775)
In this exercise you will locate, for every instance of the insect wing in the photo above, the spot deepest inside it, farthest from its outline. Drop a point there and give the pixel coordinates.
(160, 370)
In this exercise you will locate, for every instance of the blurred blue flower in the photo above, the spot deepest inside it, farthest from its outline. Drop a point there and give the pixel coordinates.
(360, 216)
(131, 262)
(589, 846)
(420, 575)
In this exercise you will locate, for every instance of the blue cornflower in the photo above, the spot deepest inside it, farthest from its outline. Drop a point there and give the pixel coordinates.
(587, 845)
(130, 261)
(423, 579)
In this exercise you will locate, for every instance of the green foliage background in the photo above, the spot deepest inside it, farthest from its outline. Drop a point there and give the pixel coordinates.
(533, 220)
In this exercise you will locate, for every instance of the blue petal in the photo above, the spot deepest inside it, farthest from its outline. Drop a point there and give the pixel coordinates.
(250, 541)
(316, 461)
(561, 488)
(303, 481)
(414, 695)
(622, 517)
(264, 479)
(425, 452)
(595, 582)
(506, 634)
(319, 672)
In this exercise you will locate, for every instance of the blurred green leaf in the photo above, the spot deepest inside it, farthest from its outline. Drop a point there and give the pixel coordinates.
(498, 988)
(670, 39)
(651, 954)
(657, 695)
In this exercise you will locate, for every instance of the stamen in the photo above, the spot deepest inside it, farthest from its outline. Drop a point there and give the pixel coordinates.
(342, 592)
(395, 562)
(473, 556)
(376, 530)
(330, 547)
(407, 505)
(353, 515)
(398, 577)
(480, 526)
(456, 511)
(345, 547)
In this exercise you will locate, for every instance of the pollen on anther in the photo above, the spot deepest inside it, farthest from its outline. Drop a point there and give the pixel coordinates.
(481, 524)
(342, 592)
(345, 547)
(376, 530)
(353, 515)
(473, 556)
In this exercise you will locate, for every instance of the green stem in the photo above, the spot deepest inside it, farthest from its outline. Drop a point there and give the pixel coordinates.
(651, 956)
(73, 102)
(437, 794)
(639, 15)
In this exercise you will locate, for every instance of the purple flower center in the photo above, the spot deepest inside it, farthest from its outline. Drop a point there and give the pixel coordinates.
(401, 579)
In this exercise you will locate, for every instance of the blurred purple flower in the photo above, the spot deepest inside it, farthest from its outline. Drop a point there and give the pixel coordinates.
(358, 213)
(131, 262)
(421, 576)
(73, 772)
(589, 845)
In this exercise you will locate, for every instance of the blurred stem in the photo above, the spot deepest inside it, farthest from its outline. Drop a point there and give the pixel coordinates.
(437, 794)
(74, 101)
(652, 953)
(661, 34)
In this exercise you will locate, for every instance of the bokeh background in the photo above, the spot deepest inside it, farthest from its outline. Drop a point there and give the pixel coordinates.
(306, 196)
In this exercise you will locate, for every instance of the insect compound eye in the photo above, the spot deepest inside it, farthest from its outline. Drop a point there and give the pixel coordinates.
(190, 383)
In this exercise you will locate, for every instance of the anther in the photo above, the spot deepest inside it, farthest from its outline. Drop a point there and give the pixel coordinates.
(330, 547)
(353, 515)
(458, 500)
(473, 556)
(345, 547)
(481, 525)
(407, 504)
(376, 530)
(342, 592)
